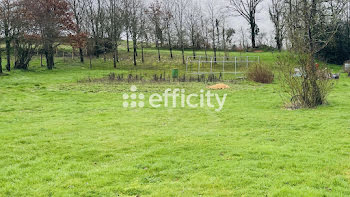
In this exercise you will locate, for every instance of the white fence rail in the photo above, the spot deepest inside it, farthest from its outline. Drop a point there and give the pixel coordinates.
(211, 65)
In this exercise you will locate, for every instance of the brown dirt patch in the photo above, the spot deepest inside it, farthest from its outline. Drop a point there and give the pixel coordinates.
(219, 86)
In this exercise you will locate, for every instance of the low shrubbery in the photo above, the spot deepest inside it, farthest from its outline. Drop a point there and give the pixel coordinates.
(163, 77)
(306, 84)
(260, 73)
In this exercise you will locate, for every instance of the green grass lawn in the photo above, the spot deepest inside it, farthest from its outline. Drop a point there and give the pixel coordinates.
(59, 137)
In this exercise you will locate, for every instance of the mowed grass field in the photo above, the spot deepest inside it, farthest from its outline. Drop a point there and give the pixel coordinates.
(59, 137)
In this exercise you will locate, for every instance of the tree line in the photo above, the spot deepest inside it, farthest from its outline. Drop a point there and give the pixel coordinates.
(97, 27)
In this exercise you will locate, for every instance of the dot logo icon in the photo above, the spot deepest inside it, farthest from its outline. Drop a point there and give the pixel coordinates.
(133, 100)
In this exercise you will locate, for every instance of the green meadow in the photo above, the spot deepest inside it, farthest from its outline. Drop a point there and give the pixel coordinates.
(61, 136)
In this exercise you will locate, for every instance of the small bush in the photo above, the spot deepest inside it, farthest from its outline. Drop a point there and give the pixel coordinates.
(310, 87)
(260, 73)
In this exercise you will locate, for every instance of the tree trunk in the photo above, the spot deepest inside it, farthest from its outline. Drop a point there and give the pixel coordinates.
(23, 57)
(104, 54)
(206, 44)
(253, 28)
(206, 53)
(157, 44)
(41, 59)
(218, 34)
(183, 54)
(49, 52)
(8, 48)
(117, 53)
(193, 44)
(97, 49)
(115, 58)
(315, 88)
(170, 47)
(135, 49)
(171, 52)
(214, 47)
(279, 45)
(127, 40)
(81, 53)
(224, 42)
(90, 57)
(193, 50)
(0, 63)
(143, 56)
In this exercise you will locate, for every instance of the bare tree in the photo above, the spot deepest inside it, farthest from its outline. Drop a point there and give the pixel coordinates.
(243, 41)
(180, 9)
(144, 33)
(168, 20)
(193, 26)
(276, 12)
(7, 19)
(116, 27)
(126, 17)
(96, 17)
(213, 21)
(227, 36)
(230, 32)
(155, 14)
(136, 8)
(78, 9)
(205, 32)
(248, 10)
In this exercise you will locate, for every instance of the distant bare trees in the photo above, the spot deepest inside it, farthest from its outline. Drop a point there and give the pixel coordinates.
(193, 27)
(115, 14)
(78, 9)
(213, 22)
(99, 27)
(155, 14)
(168, 18)
(248, 10)
(136, 10)
(276, 12)
(95, 18)
(180, 9)
(126, 14)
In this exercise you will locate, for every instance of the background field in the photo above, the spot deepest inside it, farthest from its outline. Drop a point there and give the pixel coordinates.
(59, 137)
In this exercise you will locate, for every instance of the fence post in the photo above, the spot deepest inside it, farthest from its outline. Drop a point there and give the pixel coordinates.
(199, 63)
(223, 64)
(247, 61)
(211, 65)
(235, 65)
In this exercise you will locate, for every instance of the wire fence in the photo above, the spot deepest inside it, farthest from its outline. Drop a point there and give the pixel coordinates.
(226, 65)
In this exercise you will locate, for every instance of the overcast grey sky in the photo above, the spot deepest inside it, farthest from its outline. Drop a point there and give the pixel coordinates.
(263, 19)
